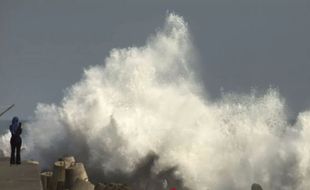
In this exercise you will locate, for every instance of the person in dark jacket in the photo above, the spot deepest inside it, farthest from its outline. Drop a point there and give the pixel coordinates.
(16, 141)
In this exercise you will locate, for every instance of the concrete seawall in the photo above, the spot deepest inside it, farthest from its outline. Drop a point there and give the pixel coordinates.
(25, 176)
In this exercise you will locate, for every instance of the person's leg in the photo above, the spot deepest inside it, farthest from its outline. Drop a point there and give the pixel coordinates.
(12, 160)
(18, 145)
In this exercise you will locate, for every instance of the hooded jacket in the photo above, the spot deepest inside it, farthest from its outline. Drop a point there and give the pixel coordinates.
(15, 127)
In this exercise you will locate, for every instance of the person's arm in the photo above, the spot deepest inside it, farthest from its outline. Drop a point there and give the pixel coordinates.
(20, 130)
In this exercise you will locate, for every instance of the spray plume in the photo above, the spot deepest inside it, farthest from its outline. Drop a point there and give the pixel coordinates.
(142, 117)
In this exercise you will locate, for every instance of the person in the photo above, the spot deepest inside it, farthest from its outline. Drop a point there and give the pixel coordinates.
(16, 141)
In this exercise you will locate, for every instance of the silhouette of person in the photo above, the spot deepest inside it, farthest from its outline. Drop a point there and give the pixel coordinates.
(16, 141)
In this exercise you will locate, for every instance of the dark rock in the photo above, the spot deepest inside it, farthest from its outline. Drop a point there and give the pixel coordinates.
(80, 184)
(100, 186)
(111, 186)
(256, 186)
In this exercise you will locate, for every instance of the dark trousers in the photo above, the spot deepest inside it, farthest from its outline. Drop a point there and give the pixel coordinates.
(16, 143)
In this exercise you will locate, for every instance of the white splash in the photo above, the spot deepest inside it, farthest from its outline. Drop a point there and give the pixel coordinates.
(5, 144)
(147, 99)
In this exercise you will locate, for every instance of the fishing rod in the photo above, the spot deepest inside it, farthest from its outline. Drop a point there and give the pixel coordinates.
(11, 106)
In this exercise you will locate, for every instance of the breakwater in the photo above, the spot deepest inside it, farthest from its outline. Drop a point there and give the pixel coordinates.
(68, 174)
